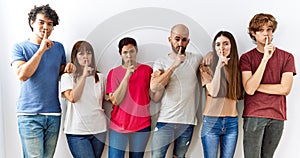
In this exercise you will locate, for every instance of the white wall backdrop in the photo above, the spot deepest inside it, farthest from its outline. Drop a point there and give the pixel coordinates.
(103, 23)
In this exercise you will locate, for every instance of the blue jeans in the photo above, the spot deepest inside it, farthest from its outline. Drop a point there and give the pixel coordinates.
(221, 131)
(137, 143)
(86, 146)
(261, 136)
(39, 134)
(166, 133)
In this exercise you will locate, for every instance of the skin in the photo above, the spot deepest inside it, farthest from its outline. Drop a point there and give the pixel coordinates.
(84, 58)
(179, 40)
(128, 55)
(42, 29)
(251, 82)
(223, 47)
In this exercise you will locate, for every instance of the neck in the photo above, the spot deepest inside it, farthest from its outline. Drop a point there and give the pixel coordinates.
(35, 39)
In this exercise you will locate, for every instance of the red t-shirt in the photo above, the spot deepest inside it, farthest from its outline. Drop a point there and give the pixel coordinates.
(262, 104)
(133, 113)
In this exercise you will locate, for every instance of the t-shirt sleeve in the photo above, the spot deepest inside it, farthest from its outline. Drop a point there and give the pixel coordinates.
(66, 82)
(290, 65)
(245, 64)
(111, 82)
(17, 54)
(157, 65)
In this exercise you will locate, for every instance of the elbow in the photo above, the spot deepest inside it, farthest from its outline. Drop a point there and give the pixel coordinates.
(250, 92)
(22, 77)
(285, 91)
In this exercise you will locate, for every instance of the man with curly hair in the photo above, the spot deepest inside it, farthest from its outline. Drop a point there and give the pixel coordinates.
(38, 63)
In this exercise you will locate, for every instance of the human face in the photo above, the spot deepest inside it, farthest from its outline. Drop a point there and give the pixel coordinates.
(128, 54)
(178, 40)
(84, 56)
(223, 46)
(42, 24)
(263, 33)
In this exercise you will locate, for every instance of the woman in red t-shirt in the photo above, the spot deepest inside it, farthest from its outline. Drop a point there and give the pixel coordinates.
(128, 90)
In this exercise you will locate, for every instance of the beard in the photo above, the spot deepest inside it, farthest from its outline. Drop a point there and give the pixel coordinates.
(177, 51)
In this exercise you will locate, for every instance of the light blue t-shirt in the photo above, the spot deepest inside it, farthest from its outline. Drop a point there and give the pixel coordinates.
(39, 94)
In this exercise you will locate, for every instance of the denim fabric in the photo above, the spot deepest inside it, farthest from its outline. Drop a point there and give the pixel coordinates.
(137, 143)
(166, 133)
(261, 136)
(219, 131)
(39, 134)
(86, 146)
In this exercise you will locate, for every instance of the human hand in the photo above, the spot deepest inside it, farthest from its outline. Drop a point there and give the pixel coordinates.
(46, 43)
(180, 57)
(87, 70)
(223, 60)
(269, 49)
(70, 68)
(130, 69)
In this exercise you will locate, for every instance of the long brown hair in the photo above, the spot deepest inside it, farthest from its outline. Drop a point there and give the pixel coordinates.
(233, 87)
(78, 46)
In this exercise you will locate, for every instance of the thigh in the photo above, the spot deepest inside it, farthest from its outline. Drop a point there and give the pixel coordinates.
(51, 135)
(80, 146)
(183, 139)
(229, 138)
(117, 144)
(138, 142)
(254, 129)
(210, 136)
(163, 136)
(272, 137)
(32, 135)
(98, 143)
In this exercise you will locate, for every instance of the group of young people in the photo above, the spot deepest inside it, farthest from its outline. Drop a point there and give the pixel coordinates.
(262, 77)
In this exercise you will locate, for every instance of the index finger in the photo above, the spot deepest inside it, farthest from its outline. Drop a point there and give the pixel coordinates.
(267, 41)
(45, 35)
(180, 50)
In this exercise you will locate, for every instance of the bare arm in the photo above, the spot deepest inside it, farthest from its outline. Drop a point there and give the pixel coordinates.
(161, 78)
(74, 94)
(118, 95)
(283, 88)
(25, 70)
(252, 82)
(213, 87)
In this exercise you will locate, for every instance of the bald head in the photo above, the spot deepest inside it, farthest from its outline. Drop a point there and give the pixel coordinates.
(180, 29)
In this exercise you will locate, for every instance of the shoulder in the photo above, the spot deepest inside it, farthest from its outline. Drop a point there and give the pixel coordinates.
(283, 52)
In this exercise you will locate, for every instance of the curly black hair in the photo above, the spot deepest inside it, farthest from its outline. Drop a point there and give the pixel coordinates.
(44, 9)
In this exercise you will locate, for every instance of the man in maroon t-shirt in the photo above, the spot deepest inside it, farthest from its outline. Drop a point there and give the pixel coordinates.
(267, 74)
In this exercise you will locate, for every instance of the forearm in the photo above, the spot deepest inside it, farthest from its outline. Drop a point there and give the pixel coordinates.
(119, 94)
(214, 86)
(159, 82)
(78, 89)
(276, 89)
(27, 69)
(253, 82)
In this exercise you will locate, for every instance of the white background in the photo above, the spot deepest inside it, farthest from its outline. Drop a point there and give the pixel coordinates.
(79, 18)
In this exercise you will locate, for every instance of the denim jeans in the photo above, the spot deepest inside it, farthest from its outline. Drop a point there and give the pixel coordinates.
(219, 131)
(166, 133)
(86, 146)
(137, 143)
(261, 136)
(39, 134)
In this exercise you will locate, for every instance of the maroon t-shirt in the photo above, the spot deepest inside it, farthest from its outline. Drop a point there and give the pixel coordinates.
(262, 104)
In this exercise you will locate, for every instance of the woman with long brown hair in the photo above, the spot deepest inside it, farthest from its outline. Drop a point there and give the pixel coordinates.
(223, 89)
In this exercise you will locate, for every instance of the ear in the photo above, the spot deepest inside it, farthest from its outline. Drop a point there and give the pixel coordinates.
(252, 33)
(169, 39)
